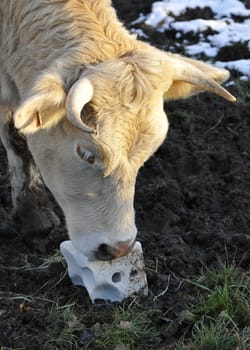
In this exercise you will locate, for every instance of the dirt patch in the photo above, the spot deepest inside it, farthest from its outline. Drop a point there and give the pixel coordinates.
(192, 210)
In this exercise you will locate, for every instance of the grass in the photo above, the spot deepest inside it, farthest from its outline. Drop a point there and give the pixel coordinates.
(121, 327)
(220, 318)
(56, 258)
(130, 329)
(64, 325)
(213, 335)
(242, 92)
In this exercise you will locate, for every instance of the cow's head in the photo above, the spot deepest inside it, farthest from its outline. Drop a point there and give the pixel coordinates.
(89, 140)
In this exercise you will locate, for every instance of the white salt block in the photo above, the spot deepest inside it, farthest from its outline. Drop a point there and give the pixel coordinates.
(112, 280)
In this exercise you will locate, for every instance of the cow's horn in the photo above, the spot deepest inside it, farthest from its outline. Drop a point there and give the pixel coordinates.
(209, 85)
(190, 74)
(80, 93)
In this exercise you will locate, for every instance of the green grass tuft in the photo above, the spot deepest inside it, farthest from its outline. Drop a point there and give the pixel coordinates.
(129, 328)
(221, 316)
(63, 324)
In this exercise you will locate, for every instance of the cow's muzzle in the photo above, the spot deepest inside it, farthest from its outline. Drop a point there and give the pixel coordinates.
(107, 252)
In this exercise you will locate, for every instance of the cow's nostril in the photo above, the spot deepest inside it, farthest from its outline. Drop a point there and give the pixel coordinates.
(106, 252)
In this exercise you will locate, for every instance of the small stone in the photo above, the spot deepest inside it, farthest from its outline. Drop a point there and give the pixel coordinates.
(125, 324)
(122, 347)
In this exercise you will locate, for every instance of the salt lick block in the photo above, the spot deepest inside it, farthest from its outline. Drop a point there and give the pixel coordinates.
(112, 280)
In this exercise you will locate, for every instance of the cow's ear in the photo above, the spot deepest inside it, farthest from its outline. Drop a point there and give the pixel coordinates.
(186, 77)
(43, 107)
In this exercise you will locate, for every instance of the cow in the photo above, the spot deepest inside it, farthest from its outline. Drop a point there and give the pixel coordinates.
(86, 97)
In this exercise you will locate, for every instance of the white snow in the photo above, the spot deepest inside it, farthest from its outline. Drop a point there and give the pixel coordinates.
(227, 30)
(203, 47)
(221, 8)
(199, 25)
(232, 33)
(242, 66)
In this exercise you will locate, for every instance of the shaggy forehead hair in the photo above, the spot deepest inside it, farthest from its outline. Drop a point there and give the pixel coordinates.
(134, 77)
(124, 93)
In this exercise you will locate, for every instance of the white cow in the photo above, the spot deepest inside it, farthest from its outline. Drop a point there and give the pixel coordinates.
(88, 98)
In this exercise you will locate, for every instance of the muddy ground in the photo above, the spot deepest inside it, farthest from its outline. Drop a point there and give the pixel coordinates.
(192, 210)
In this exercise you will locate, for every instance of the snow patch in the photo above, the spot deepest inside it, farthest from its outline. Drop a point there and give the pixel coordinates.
(227, 30)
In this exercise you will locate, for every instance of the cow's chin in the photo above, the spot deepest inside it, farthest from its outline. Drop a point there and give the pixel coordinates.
(99, 246)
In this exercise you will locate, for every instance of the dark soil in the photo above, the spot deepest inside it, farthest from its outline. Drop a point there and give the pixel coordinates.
(192, 210)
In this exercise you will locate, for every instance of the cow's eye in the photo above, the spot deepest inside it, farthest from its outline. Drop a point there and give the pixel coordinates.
(85, 155)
